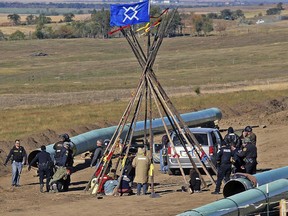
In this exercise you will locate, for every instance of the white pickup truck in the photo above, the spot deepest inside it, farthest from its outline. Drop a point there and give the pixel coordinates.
(210, 140)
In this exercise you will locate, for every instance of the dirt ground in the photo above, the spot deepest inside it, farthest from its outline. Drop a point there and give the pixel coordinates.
(27, 200)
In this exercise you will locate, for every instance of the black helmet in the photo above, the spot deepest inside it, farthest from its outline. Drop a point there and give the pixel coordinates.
(248, 129)
(65, 136)
(230, 130)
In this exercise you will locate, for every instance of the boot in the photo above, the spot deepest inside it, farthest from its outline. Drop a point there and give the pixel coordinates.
(41, 188)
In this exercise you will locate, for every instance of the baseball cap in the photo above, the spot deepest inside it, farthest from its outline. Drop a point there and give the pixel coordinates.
(248, 129)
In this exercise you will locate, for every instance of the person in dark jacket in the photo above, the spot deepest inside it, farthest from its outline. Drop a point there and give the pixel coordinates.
(61, 158)
(45, 164)
(98, 153)
(249, 156)
(232, 139)
(18, 157)
(195, 181)
(223, 159)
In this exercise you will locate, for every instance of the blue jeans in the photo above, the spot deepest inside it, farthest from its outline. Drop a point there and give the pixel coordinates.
(139, 186)
(162, 167)
(16, 172)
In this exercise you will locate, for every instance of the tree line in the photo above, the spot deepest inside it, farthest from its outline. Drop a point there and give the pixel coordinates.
(98, 25)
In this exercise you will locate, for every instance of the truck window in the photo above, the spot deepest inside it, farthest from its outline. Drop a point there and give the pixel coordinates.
(218, 138)
(201, 138)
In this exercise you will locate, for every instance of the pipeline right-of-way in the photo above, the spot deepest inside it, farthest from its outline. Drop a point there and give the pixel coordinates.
(86, 141)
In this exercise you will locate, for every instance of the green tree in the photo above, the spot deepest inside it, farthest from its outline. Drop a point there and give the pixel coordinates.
(238, 14)
(207, 26)
(155, 11)
(30, 19)
(273, 11)
(17, 35)
(102, 20)
(212, 15)
(15, 19)
(226, 14)
(68, 17)
(202, 24)
(64, 31)
(175, 26)
(280, 6)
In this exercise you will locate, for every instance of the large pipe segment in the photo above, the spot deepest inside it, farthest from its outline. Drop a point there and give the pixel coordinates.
(87, 141)
(248, 202)
(238, 185)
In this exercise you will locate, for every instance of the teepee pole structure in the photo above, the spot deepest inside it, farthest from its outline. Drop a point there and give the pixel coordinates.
(148, 90)
(190, 138)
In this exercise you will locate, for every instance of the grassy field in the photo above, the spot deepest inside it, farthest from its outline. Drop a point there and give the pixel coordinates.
(94, 64)
(244, 53)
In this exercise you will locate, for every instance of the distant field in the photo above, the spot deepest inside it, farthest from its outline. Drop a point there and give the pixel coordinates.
(90, 64)
(243, 54)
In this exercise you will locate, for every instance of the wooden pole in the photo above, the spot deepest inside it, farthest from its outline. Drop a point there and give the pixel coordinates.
(169, 137)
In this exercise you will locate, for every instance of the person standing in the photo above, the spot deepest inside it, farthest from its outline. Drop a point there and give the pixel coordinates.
(163, 154)
(231, 138)
(249, 155)
(224, 164)
(18, 156)
(98, 153)
(249, 134)
(142, 164)
(44, 167)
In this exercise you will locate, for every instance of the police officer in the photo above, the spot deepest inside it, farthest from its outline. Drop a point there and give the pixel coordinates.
(224, 165)
(249, 134)
(44, 167)
(19, 157)
(63, 155)
(231, 138)
(249, 155)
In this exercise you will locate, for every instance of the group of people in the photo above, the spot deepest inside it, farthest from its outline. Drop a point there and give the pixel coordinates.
(135, 170)
(237, 154)
(56, 172)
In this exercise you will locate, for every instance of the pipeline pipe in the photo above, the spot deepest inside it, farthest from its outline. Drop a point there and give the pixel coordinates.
(241, 184)
(248, 202)
(87, 141)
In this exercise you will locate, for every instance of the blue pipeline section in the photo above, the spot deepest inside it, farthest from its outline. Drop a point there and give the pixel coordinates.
(238, 185)
(87, 141)
(249, 202)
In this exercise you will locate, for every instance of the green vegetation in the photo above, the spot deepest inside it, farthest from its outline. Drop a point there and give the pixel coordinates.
(245, 53)
(22, 122)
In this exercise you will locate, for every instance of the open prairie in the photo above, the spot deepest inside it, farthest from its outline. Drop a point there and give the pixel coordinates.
(84, 84)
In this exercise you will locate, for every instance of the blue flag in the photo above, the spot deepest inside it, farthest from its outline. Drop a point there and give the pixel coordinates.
(129, 14)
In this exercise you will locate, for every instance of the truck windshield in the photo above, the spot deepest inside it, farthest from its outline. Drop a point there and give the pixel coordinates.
(201, 138)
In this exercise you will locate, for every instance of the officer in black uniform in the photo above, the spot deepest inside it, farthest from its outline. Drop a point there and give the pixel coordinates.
(249, 155)
(232, 139)
(45, 164)
(18, 156)
(224, 165)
